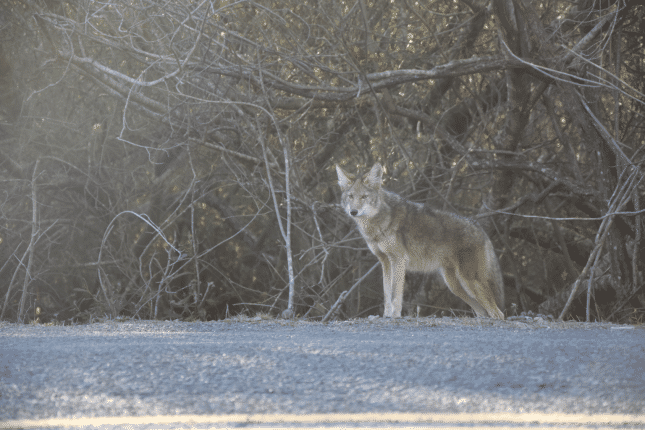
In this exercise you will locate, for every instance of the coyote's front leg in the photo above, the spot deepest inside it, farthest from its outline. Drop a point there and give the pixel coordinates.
(397, 272)
(387, 284)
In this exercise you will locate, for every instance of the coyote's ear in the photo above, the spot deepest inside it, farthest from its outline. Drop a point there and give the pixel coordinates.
(344, 179)
(375, 177)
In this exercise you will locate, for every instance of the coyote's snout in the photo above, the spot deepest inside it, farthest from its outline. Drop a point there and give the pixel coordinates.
(410, 236)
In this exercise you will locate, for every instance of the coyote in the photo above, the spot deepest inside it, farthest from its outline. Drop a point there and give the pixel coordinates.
(406, 235)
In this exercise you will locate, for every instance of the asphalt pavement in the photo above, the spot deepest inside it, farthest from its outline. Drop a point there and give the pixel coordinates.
(254, 366)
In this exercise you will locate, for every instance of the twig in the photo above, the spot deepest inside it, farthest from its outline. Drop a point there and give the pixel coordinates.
(620, 199)
(233, 153)
(344, 294)
(32, 241)
(13, 278)
(592, 259)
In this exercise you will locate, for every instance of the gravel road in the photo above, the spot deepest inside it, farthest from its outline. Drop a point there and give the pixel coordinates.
(252, 365)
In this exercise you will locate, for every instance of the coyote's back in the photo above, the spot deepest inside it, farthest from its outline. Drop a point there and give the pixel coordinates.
(410, 236)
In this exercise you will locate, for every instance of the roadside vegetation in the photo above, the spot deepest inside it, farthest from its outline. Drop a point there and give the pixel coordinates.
(175, 160)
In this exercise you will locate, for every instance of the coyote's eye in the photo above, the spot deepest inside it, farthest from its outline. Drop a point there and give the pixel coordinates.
(364, 196)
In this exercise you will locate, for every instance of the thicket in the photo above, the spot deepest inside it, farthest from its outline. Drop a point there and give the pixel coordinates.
(175, 159)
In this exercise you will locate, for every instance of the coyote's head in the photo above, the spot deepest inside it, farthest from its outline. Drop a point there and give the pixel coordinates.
(361, 197)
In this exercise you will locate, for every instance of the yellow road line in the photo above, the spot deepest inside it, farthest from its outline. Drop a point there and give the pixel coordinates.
(403, 418)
